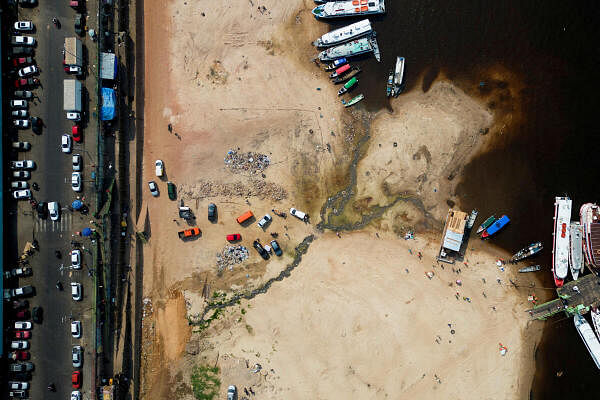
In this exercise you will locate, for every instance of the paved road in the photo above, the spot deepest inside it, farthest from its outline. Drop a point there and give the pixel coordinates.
(52, 342)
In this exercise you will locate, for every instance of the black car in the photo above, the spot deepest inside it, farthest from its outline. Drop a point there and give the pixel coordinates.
(37, 314)
(276, 248)
(79, 24)
(212, 212)
(263, 253)
(36, 125)
(21, 376)
(28, 3)
(21, 367)
(19, 394)
(42, 210)
(18, 304)
(21, 51)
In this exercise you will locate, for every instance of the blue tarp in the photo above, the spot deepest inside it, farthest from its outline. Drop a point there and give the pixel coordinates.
(109, 104)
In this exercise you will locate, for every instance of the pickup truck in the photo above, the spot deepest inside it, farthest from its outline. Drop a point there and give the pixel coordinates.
(299, 214)
(189, 233)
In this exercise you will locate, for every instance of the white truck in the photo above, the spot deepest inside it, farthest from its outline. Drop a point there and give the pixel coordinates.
(299, 214)
(73, 51)
(72, 95)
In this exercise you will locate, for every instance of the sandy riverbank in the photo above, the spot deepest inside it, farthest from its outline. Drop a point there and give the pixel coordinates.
(239, 77)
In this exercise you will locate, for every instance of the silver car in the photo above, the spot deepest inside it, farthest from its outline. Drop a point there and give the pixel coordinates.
(77, 356)
(76, 291)
(76, 181)
(22, 194)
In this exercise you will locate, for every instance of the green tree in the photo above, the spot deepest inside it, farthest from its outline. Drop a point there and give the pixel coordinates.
(205, 382)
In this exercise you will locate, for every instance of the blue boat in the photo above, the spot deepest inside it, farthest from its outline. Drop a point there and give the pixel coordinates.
(336, 64)
(495, 227)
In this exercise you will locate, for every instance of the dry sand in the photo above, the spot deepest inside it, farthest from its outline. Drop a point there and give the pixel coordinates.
(349, 321)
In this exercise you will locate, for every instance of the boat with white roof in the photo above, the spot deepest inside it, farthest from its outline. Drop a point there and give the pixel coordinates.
(560, 242)
(354, 48)
(353, 8)
(576, 253)
(344, 34)
(589, 338)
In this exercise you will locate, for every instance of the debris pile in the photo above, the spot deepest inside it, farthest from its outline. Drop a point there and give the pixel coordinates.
(256, 188)
(246, 162)
(231, 255)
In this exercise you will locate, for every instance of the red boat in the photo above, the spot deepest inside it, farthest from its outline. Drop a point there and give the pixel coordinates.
(340, 71)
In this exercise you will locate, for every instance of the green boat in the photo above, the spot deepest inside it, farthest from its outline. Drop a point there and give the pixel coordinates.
(347, 86)
(354, 100)
(486, 224)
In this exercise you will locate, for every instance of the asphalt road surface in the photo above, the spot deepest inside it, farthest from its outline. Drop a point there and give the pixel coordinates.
(51, 342)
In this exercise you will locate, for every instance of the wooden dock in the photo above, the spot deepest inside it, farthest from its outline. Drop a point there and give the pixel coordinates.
(576, 297)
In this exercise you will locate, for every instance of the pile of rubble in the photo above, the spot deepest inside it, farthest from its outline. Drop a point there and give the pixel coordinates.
(231, 255)
(251, 163)
(257, 188)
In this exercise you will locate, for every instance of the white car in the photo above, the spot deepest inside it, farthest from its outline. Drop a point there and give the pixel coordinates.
(77, 162)
(23, 164)
(18, 103)
(29, 70)
(264, 221)
(21, 123)
(76, 291)
(19, 113)
(21, 174)
(23, 40)
(232, 392)
(22, 194)
(76, 259)
(76, 329)
(19, 185)
(54, 210)
(15, 385)
(76, 356)
(75, 395)
(23, 26)
(73, 116)
(22, 146)
(65, 143)
(23, 325)
(19, 344)
(73, 69)
(298, 214)
(76, 181)
(159, 167)
(153, 188)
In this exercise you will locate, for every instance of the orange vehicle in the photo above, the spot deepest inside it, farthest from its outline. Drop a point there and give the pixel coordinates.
(189, 233)
(244, 217)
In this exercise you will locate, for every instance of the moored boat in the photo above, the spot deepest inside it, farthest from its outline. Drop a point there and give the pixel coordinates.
(336, 64)
(528, 251)
(353, 8)
(354, 100)
(353, 48)
(589, 338)
(398, 76)
(471, 219)
(347, 86)
(531, 268)
(340, 71)
(495, 227)
(560, 242)
(595, 313)
(344, 34)
(390, 84)
(341, 79)
(576, 250)
(589, 215)
(485, 224)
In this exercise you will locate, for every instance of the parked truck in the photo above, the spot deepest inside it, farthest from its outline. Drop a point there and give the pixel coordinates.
(73, 51)
(189, 233)
(72, 95)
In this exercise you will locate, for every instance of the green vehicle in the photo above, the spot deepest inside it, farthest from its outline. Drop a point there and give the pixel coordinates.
(172, 190)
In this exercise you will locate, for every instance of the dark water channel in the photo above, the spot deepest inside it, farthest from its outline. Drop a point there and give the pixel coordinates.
(548, 54)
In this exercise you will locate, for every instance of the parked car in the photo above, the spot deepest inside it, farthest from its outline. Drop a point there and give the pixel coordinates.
(153, 188)
(76, 181)
(18, 103)
(19, 355)
(73, 69)
(22, 271)
(76, 259)
(234, 237)
(23, 164)
(76, 132)
(73, 116)
(23, 94)
(22, 314)
(78, 24)
(19, 394)
(13, 385)
(21, 146)
(26, 82)
(77, 356)
(263, 253)
(42, 210)
(27, 3)
(21, 123)
(22, 376)
(189, 233)
(19, 114)
(276, 248)
(21, 367)
(77, 162)
(76, 291)
(23, 26)
(212, 212)
(37, 314)
(172, 190)
(76, 329)
(264, 221)
(65, 143)
(75, 394)
(23, 325)
(54, 210)
(76, 379)
(19, 185)
(36, 125)
(27, 71)
(20, 50)
(159, 167)
(21, 174)
(298, 214)
(20, 40)
(19, 344)
(22, 194)
(232, 393)
(22, 291)
(18, 304)
(18, 61)
(22, 334)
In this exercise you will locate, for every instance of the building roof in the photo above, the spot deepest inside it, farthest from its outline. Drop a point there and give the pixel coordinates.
(455, 229)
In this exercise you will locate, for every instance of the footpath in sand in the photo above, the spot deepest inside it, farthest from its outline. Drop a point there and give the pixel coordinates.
(357, 318)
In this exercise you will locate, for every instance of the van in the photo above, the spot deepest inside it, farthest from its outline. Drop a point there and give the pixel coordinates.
(244, 217)
(172, 190)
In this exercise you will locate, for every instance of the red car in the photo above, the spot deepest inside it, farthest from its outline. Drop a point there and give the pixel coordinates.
(26, 82)
(22, 335)
(76, 379)
(22, 61)
(18, 355)
(234, 237)
(23, 314)
(76, 132)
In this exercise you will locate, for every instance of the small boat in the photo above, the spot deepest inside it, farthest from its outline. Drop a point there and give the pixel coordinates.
(344, 34)
(398, 76)
(576, 250)
(495, 227)
(354, 48)
(588, 337)
(347, 86)
(485, 224)
(354, 8)
(341, 79)
(390, 84)
(531, 268)
(336, 64)
(471, 219)
(595, 313)
(354, 100)
(340, 71)
(560, 244)
(528, 251)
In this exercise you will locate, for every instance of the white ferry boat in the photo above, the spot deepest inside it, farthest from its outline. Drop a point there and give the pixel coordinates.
(595, 313)
(353, 8)
(344, 34)
(560, 242)
(589, 215)
(576, 253)
(588, 337)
